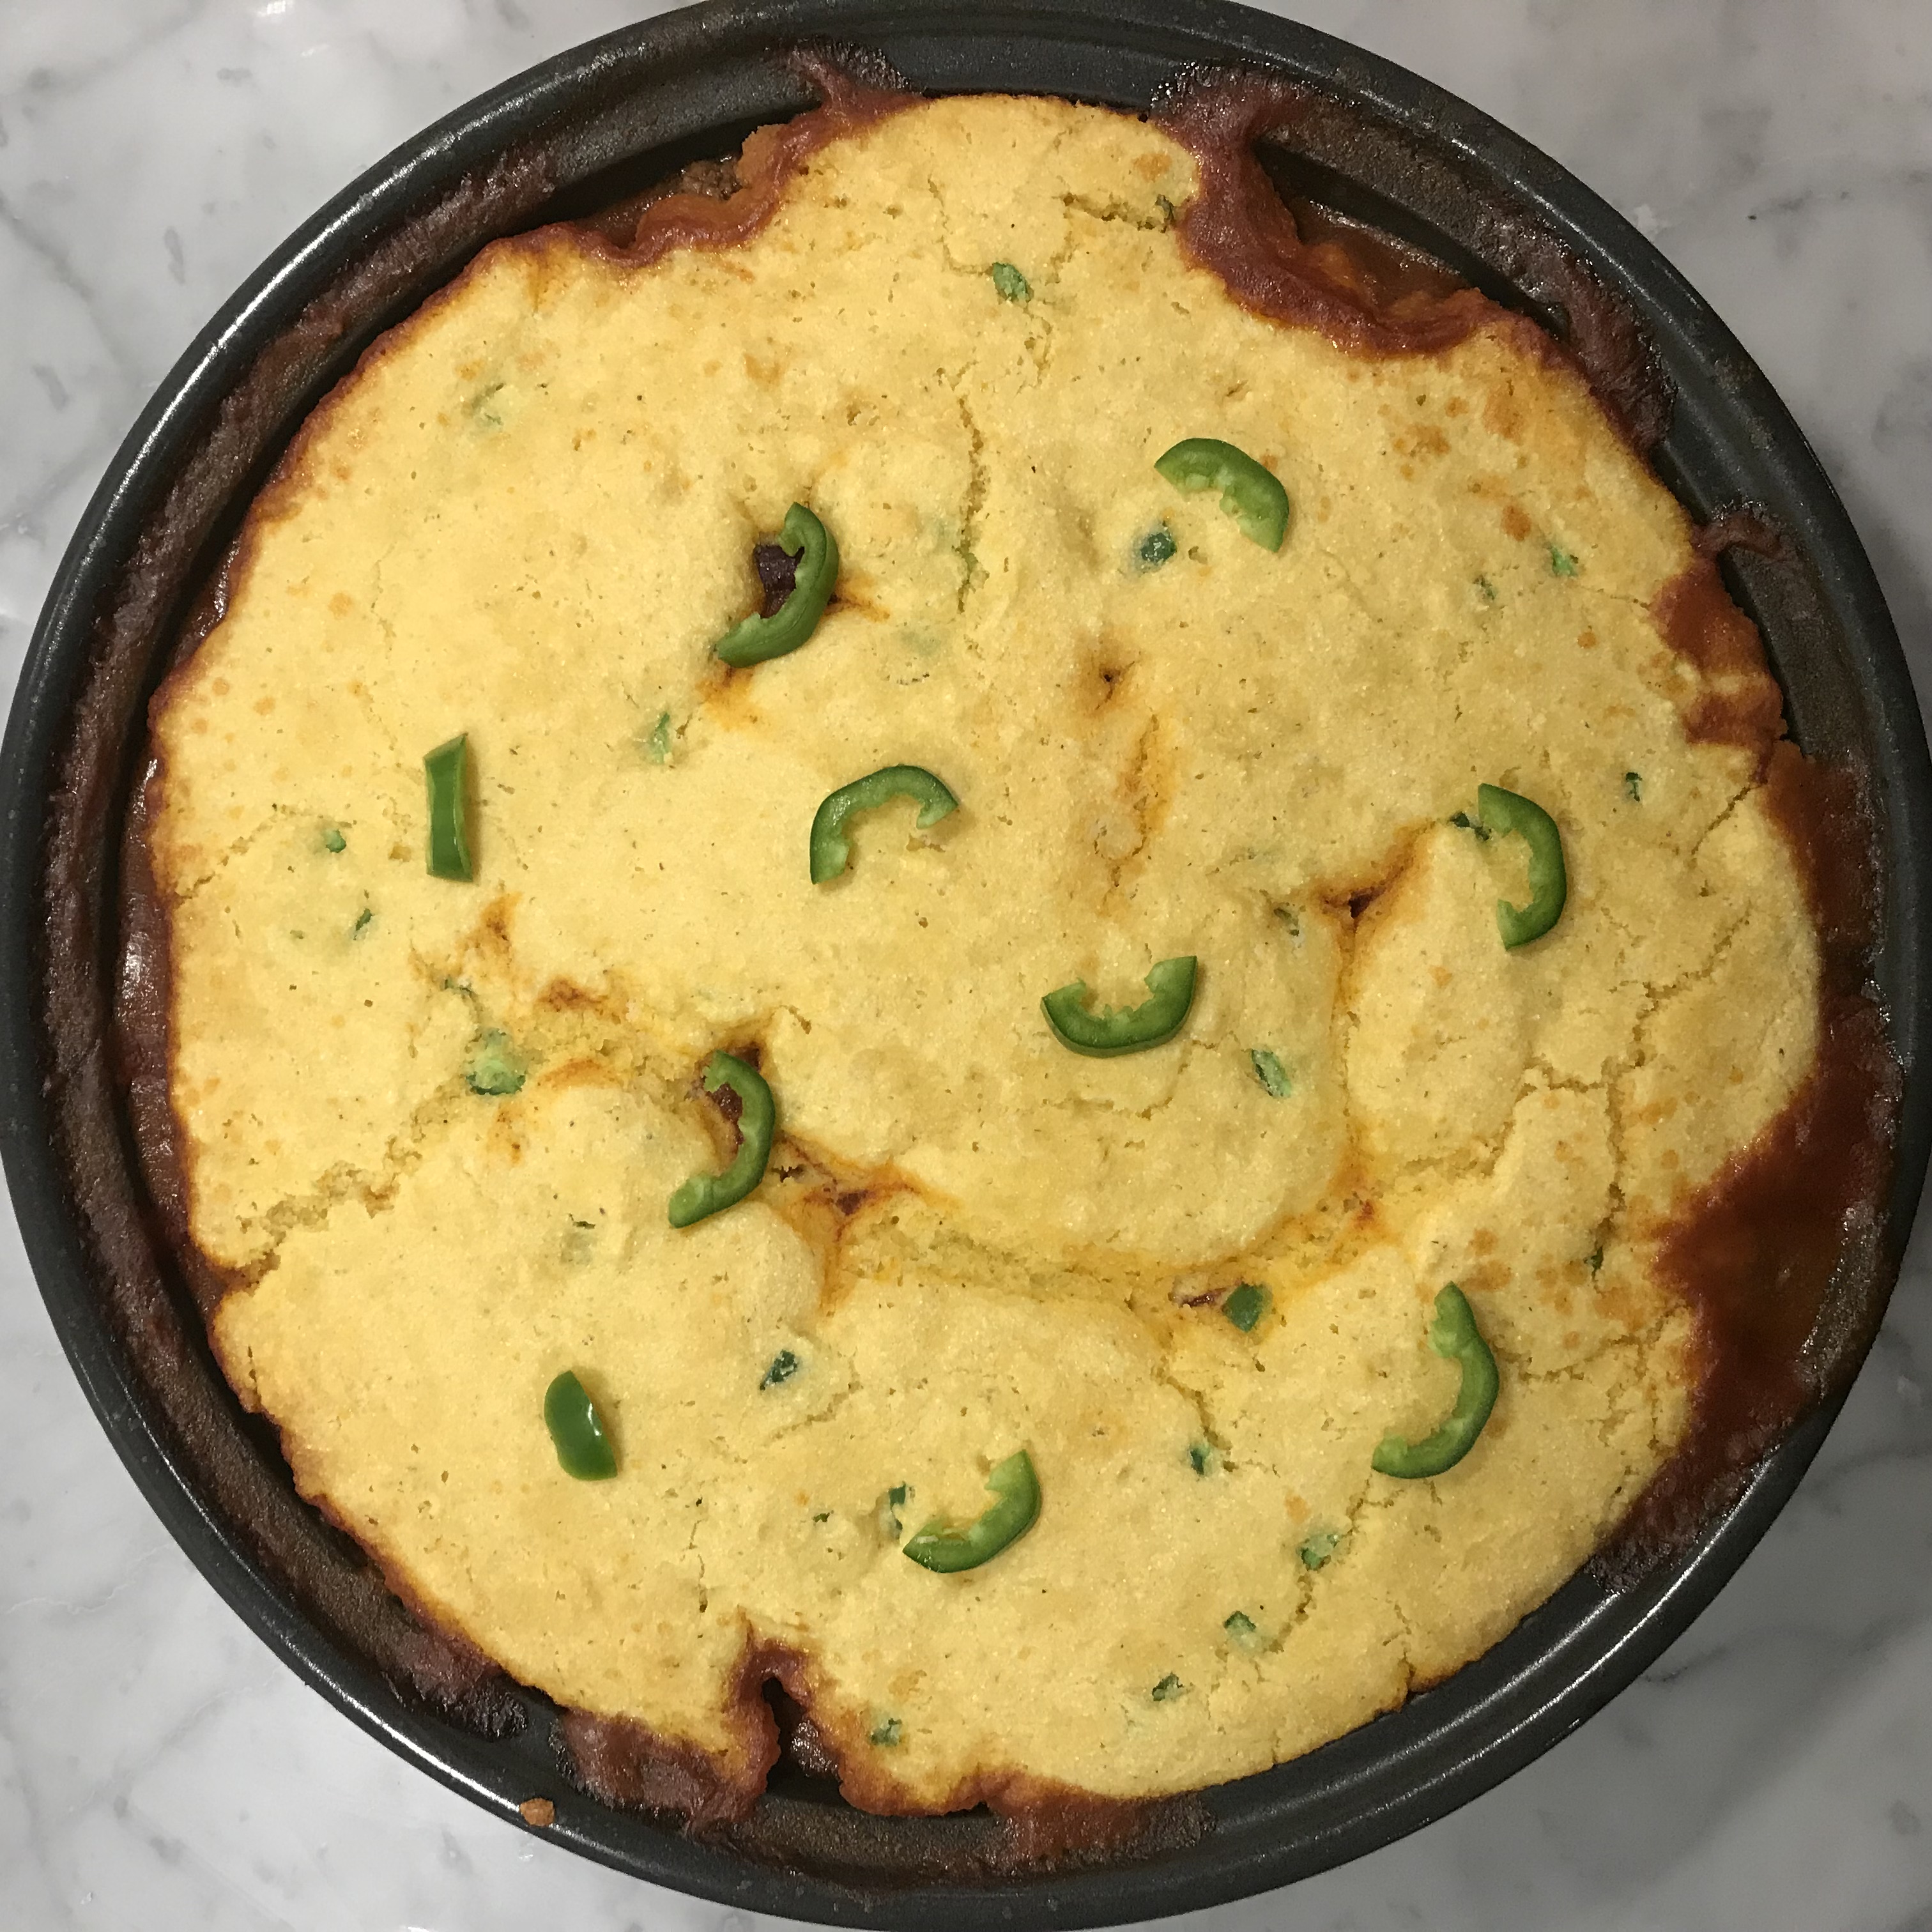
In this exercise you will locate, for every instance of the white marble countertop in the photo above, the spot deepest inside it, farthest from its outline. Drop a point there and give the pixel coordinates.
(159, 1769)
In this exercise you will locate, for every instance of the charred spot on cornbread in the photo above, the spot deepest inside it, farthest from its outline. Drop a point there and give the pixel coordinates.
(778, 575)
(967, 1239)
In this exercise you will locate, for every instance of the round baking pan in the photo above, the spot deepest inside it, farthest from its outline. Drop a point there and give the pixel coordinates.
(571, 137)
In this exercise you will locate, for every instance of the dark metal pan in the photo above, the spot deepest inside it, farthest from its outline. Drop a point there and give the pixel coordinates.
(565, 139)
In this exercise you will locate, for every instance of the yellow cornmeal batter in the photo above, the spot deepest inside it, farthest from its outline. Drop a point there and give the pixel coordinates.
(528, 517)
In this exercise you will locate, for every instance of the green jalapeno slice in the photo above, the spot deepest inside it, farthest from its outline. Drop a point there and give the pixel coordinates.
(1013, 287)
(1501, 811)
(832, 850)
(1017, 1490)
(1316, 1550)
(1453, 1334)
(446, 772)
(1245, 1306)
(1250, 493)
(705, 1194)
(495, 1069)
(1157, 548)
(1132, 1029)
(583, 1448)
(757, 638)
(1270, 1073)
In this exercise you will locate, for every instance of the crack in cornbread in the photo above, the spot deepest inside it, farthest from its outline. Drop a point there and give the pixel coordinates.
(528, 517)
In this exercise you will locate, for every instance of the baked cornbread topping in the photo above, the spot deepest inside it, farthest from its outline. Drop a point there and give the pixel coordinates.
(1133, 1022)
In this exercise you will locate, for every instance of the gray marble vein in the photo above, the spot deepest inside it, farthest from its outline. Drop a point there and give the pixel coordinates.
(160, 1770)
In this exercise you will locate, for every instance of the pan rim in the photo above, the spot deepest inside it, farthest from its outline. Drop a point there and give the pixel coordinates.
(1563, 1661)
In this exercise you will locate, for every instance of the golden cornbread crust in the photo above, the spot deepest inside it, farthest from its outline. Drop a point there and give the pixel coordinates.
(527, 516)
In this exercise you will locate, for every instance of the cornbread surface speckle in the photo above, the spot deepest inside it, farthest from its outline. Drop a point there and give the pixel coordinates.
(527, 517)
